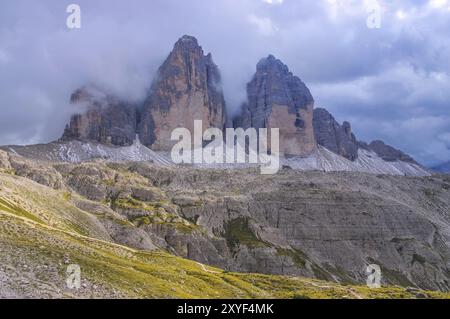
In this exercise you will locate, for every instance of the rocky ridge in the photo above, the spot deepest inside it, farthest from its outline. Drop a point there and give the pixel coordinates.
(321, 159)
(333, 136)
(188, 88)
(387, 152)
(319, 225)
(42, 233)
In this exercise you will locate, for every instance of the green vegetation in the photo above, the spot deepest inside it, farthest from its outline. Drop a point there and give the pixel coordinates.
(162, 218)
(429, 192)
(41, 226)
(67, 196)
(109, 182)
(339, 273)
(131, 203)
(297, 256)
(143, 220)
(420, 259)
(153, 214)
(9, 171)
(393, 276)
(18, 211)
(238, 232)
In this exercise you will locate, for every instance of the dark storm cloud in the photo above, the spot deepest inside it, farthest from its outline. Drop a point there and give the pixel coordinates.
(392, 83)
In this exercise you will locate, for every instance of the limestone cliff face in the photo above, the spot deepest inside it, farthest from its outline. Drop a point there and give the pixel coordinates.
(278, 99)
(187, 88)
(333, 136)
(102, 118)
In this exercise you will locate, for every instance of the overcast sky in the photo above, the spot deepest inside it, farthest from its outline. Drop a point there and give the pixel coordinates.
(391, 83)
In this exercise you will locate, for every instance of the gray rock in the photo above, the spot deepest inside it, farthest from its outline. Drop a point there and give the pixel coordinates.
(333, 136)
(4, 161)
(145, 194)
(321, 225)
(327, 226)
(37, 172)
(187, 88)
(278, 99)
(104, 119)
(389, 153)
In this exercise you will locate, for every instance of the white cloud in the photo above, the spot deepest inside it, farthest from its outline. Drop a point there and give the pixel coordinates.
(4, 57)
(445, 137)
(401, 14)
(264, 25)
(273, 1)
(438, 4)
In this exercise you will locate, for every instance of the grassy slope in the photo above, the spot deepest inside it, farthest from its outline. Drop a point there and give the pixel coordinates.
(41, 232)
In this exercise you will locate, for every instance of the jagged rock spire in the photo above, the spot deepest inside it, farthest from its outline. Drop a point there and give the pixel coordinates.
(333, 136)
(187, 88)
(102, 118)
(278, 99)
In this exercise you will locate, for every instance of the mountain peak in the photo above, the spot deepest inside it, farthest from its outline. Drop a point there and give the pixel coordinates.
(188, 88)
(271, 58)
(278, 99)
(188, 38)
(272, 64)
(187, 42)
(283, 87)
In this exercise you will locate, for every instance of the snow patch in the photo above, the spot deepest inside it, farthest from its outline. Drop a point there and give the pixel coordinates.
(367, 162)
(322, 159)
